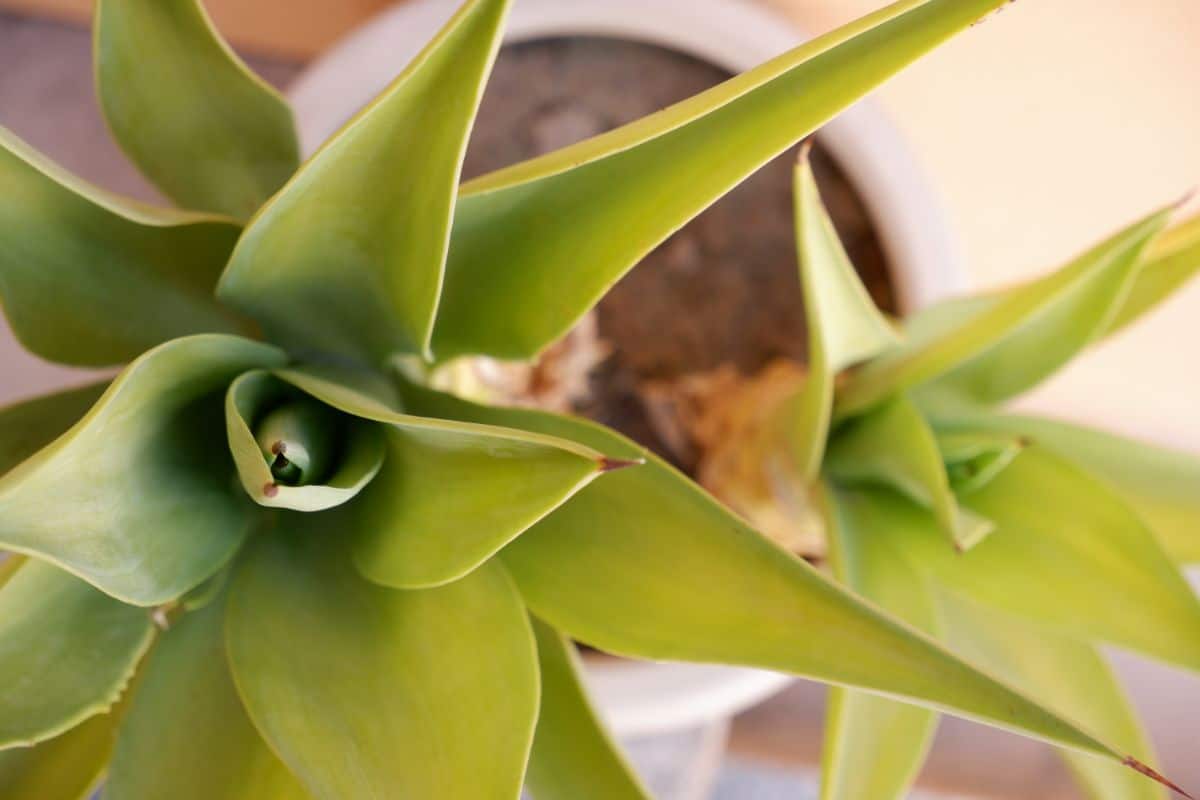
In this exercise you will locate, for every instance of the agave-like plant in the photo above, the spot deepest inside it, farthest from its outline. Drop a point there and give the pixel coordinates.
(1024, 544)
(269, 559)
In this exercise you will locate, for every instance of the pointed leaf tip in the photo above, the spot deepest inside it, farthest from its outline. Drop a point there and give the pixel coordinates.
(1138, 766)
(508, 292)
(613, 464)
(805, 151)
(390, 243)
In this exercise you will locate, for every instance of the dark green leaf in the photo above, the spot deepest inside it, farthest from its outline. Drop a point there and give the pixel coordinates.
(139, 498)
(536, 245)
(369, 285)
(211, 134)
(91, 279)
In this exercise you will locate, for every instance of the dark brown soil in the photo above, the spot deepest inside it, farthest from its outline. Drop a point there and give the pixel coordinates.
(722, 290)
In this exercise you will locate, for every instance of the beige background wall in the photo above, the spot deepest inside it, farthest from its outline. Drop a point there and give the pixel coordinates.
(1045, 128)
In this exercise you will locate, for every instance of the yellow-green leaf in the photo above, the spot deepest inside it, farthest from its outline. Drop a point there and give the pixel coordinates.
(573, 757)
(29, 426)
(139, 497)
(369, 285)
(66, 652)
(212, 135)
(67, 767)
(989, 348)
(974, 457)
(92, 279)
(536, 245)
(446, 501)
(1066, 674)
(359, 458)
(1088, 561)
(1170, 262)
(1159, 483)
(644, 563)
(1053, 668)
(186, 735)
(874, 746)
(1085, 562)
(893, 445)
(366, 691)
(450, 493)
(844, 326)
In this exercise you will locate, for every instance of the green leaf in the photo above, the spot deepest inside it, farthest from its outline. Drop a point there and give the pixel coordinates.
(536, 245)
(573, 757)
(1088, 561)
(988, 349)
(1087, 564)
(450, 494)
(894, 446)
(1067, 675)
(9, 564)
(91, 279)
(66, 652)
(67, 767)
(1170, 262)
(366, 691)
(874, 746)
(186, 735)
(646, 564)
(139, 497)
(973, 457)
(361, 443)
(29, 426)
(1160, 484)
(446, 501)
(844, 326)
(369, 286)
(195, 119)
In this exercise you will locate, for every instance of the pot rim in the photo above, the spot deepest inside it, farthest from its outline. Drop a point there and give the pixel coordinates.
(640, 697)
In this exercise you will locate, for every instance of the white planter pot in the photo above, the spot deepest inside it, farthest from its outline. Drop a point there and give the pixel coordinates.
(641, 698)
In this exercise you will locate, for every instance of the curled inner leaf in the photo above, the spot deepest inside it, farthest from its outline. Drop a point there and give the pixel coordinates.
(299, 440)
(293, 451)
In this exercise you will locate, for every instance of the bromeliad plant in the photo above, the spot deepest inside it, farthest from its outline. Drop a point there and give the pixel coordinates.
(1023, 544)
(269, 560)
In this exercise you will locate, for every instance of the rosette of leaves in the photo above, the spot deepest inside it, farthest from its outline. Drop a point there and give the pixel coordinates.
(265, 561)
(1023, 544)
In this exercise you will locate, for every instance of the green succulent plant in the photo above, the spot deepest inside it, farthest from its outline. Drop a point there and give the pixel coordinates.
(1023, 544)
(269, 560)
